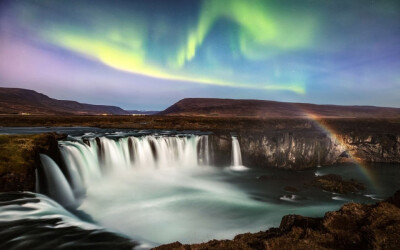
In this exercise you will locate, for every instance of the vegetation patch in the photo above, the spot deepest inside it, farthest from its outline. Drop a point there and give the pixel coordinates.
(19, 159)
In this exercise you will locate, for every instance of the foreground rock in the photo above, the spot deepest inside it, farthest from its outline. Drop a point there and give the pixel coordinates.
(354, 226)
(334, 183)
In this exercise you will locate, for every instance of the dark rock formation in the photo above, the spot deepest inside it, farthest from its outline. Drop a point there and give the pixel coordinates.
(376, 147)
(335, 183)
(305, 148)
(291, 189)
(354, 226)
(293, 150)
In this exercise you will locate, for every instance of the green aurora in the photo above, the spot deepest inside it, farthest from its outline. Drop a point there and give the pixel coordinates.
(265, 45)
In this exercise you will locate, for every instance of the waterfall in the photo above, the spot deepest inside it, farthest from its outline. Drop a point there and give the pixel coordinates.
(88, 162)
(58, 186)
(236, 154)
(152, 152)
(204, 150)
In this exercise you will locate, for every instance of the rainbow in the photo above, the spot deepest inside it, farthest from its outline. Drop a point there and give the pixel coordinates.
(329, 130)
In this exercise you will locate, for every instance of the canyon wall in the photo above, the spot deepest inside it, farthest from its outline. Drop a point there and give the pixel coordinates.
(307, 148)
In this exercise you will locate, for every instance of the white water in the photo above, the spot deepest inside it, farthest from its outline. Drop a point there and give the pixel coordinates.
(88, 163)
(41, 207)
(237, 164)
(60, 189)
(236, 154)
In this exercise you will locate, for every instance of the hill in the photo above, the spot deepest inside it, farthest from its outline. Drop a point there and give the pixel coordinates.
(266, 109)
(20, 101)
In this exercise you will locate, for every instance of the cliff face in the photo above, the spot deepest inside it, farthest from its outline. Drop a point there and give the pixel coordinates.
(307, 148)
(374, 148)
(290, 150)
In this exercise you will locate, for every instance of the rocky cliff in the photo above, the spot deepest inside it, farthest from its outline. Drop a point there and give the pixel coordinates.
(290, 150)
(308, 147)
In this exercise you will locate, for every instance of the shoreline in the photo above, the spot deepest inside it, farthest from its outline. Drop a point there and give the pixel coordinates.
(353, 226)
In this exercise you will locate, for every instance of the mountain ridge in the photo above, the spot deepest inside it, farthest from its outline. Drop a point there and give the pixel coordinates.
(265, 109)
(26, 101)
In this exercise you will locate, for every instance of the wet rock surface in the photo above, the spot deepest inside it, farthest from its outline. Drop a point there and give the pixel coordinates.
(354, 226)
(334, 183)
(291, 189)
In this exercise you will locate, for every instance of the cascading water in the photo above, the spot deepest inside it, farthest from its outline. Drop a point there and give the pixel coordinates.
(237, 164)
(60, 189)
(88, 162)
(236, 154)
(152, 152)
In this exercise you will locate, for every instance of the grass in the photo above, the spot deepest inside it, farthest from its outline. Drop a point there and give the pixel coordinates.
(16, 152)
(18, 160)
(223, 124)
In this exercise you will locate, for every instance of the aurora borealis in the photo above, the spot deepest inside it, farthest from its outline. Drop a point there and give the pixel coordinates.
(149, 54)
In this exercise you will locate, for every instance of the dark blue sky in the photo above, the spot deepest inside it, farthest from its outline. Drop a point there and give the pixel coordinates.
(149, 54)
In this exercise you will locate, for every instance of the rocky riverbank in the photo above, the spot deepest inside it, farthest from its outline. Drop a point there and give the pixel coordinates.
(354, 226)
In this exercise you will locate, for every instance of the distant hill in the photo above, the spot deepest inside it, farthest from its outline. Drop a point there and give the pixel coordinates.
(142, 112)
(19, 101)
(264, 109)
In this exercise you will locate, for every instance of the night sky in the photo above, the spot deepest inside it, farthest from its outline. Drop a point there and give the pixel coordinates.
(149, 54)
